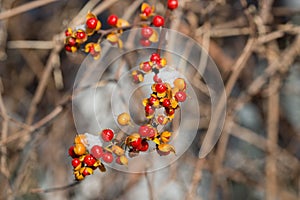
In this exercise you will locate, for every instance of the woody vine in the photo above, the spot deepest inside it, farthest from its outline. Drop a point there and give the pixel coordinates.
(165, 96)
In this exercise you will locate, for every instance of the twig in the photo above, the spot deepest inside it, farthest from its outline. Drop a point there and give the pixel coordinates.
(197, 175)
(30, 44)
(54, 189)
(3, 162)
(282, 64)
(273, 119)
(240, 64)
(24, 8)
(150, 189)
(265, 11)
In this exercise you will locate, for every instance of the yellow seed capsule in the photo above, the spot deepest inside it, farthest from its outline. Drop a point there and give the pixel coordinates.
(79, 149)
(80, 139)
(78, 176)
(166, 148)
(165, 136)
(117, 150)
(163, 62)
(124, 119)
(124, 160)
(179, 83)
(174, 103)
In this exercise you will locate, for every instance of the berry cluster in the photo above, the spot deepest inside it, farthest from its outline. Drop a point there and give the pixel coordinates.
(159, 108)
(86, 161)
(149, 35)
(153, 65)
(167, 97)
(75, 38)
(114, 36)
(83, 162)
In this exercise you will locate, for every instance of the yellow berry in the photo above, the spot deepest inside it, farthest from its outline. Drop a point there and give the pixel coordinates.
(124, 119)
(179, 83)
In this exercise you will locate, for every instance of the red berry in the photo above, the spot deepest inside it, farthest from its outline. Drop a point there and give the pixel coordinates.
(170, 111)
(75, 162)
(147, 11)
(97, 151)
(144, 130)
(158, 21)
(136, 143)
(107, 157)
(80, 35)
(152, 100)
(107, 135)
(86, 172)
(89, 160)
(144, 145)
(160, 87)
(156, 79)
(68, 33)
(180, 96)
(155, 57)
(151, 133)
(172, 4)
(166, 103)
(146, 66)
(146, 32)
(91, 23)
(149, 109)
(112, 20)
(145, 42)
(71, 41)
(71, 152)
(68, 48)
(161, 119)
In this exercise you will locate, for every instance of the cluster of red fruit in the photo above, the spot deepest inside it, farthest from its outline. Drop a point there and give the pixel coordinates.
(85, 161)
(119, 24)
(77, 37)
(139, 142)
(153, 65)
(148, 34)
(167, 97)
(87, 156)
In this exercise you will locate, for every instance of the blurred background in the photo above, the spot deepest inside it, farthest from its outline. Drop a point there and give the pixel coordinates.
(255, 45)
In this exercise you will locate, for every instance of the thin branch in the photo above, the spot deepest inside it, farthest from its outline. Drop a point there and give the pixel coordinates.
(3, 160)
(24, 8)
(54, 189)
(273, 119)
(30, 44)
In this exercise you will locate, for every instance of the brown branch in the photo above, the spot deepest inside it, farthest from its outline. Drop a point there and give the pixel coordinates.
(4, 133)
(281, 64)
(24, 8)
(54, 189)
(273, 119)
(30, 44)
(240, 64)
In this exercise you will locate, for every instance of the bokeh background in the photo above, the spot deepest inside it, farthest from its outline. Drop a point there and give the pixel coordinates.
(256, 46)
